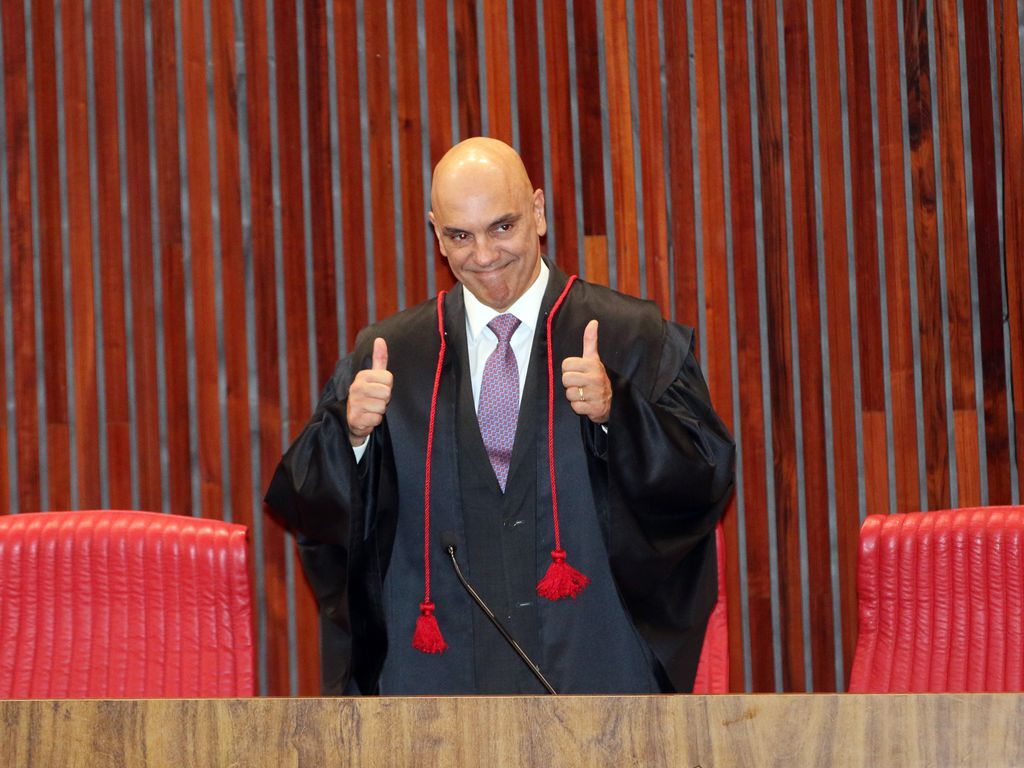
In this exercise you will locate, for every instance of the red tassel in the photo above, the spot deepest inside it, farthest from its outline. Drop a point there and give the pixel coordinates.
(561, 580)
(427, 637)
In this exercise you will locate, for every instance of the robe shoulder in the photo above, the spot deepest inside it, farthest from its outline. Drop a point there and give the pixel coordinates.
(634, 340)
(403, 325)
(410, 334)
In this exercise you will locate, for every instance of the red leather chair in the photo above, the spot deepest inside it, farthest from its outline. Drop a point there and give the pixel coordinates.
(713, 668)
(123, 604)
(941, 602)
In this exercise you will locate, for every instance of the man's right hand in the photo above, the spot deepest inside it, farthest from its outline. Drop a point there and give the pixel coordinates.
(369, 395)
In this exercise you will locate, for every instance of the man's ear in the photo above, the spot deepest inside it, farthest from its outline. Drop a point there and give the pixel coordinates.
(437, 233)
(538, 212)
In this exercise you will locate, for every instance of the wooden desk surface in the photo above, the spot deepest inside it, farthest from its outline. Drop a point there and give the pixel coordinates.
(733, 730)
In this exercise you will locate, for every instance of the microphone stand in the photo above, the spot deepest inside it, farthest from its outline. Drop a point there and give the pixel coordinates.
(450, 549)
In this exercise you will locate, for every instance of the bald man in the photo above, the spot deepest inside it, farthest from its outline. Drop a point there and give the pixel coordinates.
(557, 435)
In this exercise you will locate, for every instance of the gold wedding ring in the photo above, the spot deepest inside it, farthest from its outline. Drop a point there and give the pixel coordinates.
(580, 390)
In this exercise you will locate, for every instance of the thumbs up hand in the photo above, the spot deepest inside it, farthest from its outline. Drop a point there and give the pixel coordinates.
(369, 395)
(586, 383)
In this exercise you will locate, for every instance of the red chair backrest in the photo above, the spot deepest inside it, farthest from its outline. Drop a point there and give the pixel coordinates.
(713, 668)
(123, 604)
(941, 602)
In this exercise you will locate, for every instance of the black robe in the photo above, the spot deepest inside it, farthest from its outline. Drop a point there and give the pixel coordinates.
(656, 484)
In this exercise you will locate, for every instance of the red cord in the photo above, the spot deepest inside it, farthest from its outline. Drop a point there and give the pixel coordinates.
(561, 579)
(430, 449)
(427, 636)
(551, 411)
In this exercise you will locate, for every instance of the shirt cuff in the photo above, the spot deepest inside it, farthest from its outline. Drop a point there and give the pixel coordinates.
(359, 450)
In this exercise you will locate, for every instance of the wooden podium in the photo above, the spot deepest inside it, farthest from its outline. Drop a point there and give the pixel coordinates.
(732, 730)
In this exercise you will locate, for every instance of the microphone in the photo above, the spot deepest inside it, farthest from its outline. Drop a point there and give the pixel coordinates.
(449, 541)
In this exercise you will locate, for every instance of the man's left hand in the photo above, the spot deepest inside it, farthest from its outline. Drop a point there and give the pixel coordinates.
(587, 387)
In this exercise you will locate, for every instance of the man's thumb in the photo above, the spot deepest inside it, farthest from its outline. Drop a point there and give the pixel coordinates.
(590, 339)
(380, 354)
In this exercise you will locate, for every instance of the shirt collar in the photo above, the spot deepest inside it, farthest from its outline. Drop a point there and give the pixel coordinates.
(526, 307)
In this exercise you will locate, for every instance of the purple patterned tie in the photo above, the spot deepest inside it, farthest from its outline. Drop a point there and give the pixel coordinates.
(498, 410)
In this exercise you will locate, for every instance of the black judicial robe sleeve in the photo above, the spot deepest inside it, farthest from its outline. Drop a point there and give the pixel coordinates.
(677, 453)
(669, 463)
(321, 493)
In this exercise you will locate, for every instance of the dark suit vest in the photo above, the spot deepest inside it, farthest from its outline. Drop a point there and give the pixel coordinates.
(501, 546)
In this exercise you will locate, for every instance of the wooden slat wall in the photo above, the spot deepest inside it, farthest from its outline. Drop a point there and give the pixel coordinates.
(201, 203)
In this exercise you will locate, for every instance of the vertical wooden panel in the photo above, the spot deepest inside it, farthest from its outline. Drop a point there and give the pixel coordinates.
(318, 115)
(468, 66)
(595, 257)
(896, 245)
(58, 435)
(1012, 100)
(439, 89)
(715, 359)
(922, 150)
(531, 139)
(201, 256)
(989, 266)
(289, 148)
(319, 292)
(866, 251)
(83, 339)
(677, 74)
(172, 276)
(780, 350)
(350, 159)
(140, 238)
(652, 157)
(588, 94)
(382, 199)
(232, 289)
(837, 295)
(111, 274)
(809, 353)
(499, 104)
(410, 125)
(26, 417)
(298, 353)
(268, 357)
(951, 156)
(232, 298)
(712, 92)
(749, 360)
(620, 131)
(8, 476)
(561, 198)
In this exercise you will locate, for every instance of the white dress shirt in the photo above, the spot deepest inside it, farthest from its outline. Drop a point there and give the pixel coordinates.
(481, 340)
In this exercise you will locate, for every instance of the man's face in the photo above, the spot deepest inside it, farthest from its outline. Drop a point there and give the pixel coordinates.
(489, 229)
